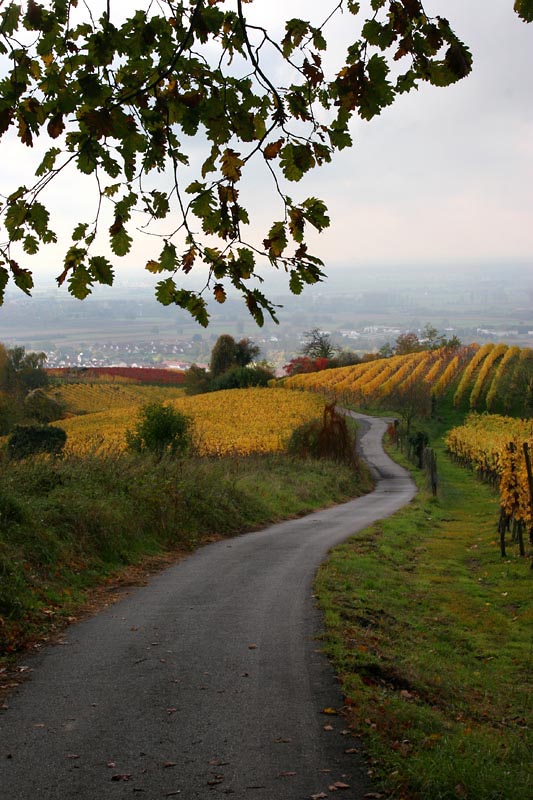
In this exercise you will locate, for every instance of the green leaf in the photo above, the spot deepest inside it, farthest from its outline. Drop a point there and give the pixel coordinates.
(245, 263)
(101, 269)
(277, 240)
(377, 92)
(296, 159)
(30, 245)
(80, 282)
(79, 231)
(524, 9)
(87, 158)
(296, 30)
(195, 187)
(168, 259)
(208, 166)
(165, 291)
(159, 205)
(10, 19)
(318, 39)
(48, 162)
(315, 212)
(23, 279)
(339, 138)
(38, 217)
(296, 224)
(296, 283)
(120, 241)
(375, 33)
(4, 278)
(15, 216)
(231, 165)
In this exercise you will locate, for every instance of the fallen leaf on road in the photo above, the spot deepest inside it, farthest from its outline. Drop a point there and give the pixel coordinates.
(352, 750)
(252, 647)
(328, 727)
(122, 777)
(338, 785)
(319, 796)
(329, 711)
(169, 764)
(111, 764)
(71, 755)
(282, 741)
(287, 774)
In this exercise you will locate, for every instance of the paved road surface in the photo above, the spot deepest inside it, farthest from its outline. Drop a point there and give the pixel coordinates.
(206, 683)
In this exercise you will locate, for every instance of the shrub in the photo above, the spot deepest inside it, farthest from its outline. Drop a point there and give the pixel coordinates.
(161, 430)
(42, 408)
(242, 378)
(330, 438)
(197, 380)
(29, 440)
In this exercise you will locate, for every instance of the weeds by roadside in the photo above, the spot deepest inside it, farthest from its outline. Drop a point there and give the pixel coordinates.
(66, 525)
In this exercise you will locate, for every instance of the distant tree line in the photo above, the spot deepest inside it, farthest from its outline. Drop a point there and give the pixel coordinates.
(318, 351)
(429, 339)
(232, 365)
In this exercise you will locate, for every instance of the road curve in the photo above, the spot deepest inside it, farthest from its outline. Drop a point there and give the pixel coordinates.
(207, 682)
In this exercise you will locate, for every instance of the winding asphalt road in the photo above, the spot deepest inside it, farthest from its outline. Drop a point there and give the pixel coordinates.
(207, 682)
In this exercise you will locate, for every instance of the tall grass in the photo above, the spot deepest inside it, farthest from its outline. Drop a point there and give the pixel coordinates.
(66, 524)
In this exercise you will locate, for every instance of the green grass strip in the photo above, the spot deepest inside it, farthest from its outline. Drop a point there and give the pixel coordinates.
(430, 632)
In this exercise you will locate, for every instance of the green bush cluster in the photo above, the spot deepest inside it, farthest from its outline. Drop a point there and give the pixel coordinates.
(29, 440)
(161, 430)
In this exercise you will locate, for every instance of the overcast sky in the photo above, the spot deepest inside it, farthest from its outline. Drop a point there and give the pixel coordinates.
(443, 176)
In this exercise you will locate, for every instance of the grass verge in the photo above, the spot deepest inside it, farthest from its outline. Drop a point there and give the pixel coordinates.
(69, 525)
(430, 633)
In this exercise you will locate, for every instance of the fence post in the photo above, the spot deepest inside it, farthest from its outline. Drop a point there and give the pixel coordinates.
(530, 485)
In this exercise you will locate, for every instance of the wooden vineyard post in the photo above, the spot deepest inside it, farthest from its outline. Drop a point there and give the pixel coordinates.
(517, 527)
(502, 525)
(530, 486)
(430, 464)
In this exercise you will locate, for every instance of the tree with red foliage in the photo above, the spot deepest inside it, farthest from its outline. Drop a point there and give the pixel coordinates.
(303, 364)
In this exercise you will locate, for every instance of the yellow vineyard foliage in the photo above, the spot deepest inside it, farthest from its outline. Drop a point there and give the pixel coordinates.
(235, 421)
(89, 398)
(492, 377)
(493, 445)
(375, 380)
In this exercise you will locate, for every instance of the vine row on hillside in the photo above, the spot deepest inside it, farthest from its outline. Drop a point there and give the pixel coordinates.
(495, 378)
(499, 450)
